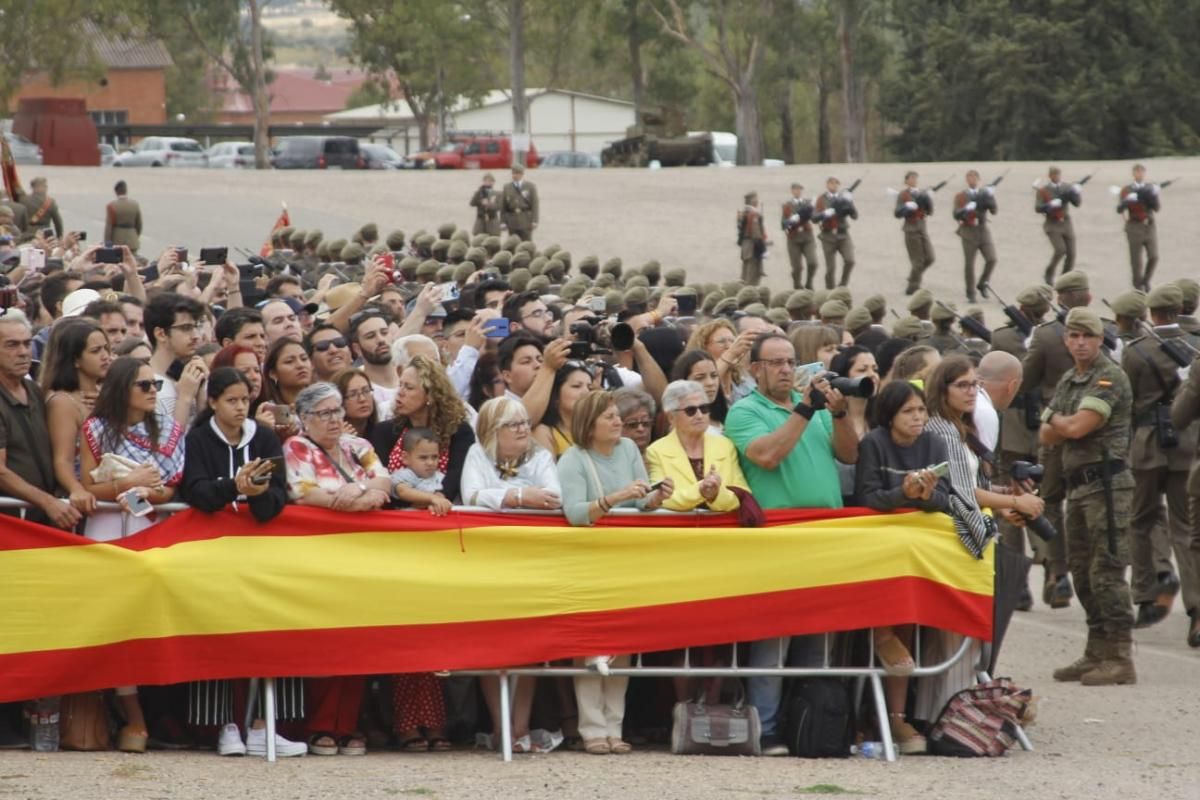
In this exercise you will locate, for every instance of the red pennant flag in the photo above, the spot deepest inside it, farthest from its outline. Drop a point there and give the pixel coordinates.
(281, 222)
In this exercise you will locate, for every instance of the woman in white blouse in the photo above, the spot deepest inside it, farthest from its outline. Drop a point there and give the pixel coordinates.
(506, 468)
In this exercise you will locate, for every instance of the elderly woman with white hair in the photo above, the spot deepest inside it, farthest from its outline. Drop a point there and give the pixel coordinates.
(703, 465)
(506, 468)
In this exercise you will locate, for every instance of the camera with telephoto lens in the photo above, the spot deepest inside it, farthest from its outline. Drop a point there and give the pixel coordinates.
(585, 346)
(862, 386)
(1027, 471)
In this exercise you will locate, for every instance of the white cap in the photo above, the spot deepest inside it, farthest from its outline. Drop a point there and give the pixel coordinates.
(74, 303)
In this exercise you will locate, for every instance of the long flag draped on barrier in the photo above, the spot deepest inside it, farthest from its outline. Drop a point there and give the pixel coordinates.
(316, 592)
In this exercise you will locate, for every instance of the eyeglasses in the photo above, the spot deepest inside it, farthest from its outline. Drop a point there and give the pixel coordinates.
(149, 386)
(638, 424)
(185, 327)
(328, 415)
(691, 411)
(537, 313)
(966, 386)
(776, 363)
(322, 346)
(516, 425)
(358, 394)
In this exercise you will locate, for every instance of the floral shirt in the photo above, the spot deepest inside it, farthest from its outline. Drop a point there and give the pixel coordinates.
(309, 467)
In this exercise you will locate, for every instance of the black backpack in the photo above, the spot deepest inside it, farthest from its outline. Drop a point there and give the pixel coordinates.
(817, 719)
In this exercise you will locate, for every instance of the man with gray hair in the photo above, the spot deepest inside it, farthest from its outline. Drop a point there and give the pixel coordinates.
(999, 381)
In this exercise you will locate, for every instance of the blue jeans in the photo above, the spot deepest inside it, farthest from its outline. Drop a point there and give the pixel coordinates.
(765, 693)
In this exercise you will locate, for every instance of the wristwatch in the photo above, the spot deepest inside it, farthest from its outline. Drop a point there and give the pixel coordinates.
(837, 415)
(804, 410)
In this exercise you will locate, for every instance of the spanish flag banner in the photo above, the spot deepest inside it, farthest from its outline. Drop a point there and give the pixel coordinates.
(316, 592)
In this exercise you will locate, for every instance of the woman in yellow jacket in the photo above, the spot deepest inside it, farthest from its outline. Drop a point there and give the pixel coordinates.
(702, 464)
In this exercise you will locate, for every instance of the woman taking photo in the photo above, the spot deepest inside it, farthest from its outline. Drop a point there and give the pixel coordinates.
(572, 381)
(358, 401)
(287, 370)
(77, 358)
(699, 366)
(720, 340)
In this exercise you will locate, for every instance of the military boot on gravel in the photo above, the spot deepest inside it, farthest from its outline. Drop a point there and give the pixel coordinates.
(1116, 665)
(1090, 660)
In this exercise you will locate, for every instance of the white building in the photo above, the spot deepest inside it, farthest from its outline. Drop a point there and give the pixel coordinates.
(558, 119)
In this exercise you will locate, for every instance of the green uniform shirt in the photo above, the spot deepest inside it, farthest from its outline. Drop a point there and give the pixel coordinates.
(807, 477)
(1105, 390)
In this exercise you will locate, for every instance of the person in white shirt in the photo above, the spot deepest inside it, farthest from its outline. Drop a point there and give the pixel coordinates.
(506, 468)
(173, 327)
(999, 381)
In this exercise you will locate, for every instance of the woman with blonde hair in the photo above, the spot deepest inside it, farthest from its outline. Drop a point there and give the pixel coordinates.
(816, 343)
(505, 467)
(720, 340)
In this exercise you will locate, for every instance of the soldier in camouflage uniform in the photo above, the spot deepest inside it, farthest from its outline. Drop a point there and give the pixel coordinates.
(1088, 419)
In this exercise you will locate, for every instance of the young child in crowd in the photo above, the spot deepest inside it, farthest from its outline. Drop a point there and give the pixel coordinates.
(419, 482)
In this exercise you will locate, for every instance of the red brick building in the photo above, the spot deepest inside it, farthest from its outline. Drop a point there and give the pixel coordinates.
(297, 95)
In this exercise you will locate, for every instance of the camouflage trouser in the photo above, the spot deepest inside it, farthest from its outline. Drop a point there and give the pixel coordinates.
(1098, 574)
(802, 252)
(1054, 492)
(1143, 238)
(833, 244)
(920, 255)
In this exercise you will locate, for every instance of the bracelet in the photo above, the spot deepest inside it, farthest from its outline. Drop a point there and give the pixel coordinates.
(519, 493)
(804, 410)
(838, 415)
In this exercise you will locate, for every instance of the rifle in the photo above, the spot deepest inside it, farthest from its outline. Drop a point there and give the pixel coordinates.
(1110, 339)
(938, 186)
(1170, 347)
(999, 178)
(1086, 178)
(1165, 184)
(854, 185)
(1014, 314)
(977, 328)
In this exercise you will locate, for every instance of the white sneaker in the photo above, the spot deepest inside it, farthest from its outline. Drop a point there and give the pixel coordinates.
(230, 743)
(256, 745)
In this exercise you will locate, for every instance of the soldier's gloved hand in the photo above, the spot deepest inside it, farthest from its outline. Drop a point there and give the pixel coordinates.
(1130, 198)
(991, 190)
(910, 205)
(1056, 203)
(848, 197)
(827, 213)
(970, 206)
(793, 219)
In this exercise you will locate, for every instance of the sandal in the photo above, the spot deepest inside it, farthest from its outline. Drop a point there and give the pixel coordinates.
(322, 743)
(440, 744)
(132, 741)
(619, 747)
(354, 744)
(597, 747)
(414, 744)
(894, 657)
(522, 745)
(908, 741)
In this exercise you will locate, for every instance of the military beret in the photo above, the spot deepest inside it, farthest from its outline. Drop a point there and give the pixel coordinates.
(708, 286)
(652, 270)
(922, 299)
(636, 295)
(710, 301)
(834, 309)
(614, 301)
(408, 267)
(631, 271)
(756, 310)
(519, 278)
(764, 294)
(440, 248)
(799, 300)
(779, 299)
(313, 238)
(379, 248)
(520, 259)
(676, 276)
(527, 247)
(731, 288)
(565, 257)
(538, 283)
(461, 235)
(551, 249)
(725, 307)
(605, 281)
(510, 244)
(746, 295)
(395, 240)
(554, 270)
(445, 273)
(1167, 296)
(477, 256)
(778, 316)
(975, 313)
(636, 280)
(842, 293)
(323, 250)
(1190, 290)
(590, 266)
(457, 250)
(353, 252)
(492, 244)
(425, 241)
(285, 232)
(1129, 304)
(537, 264)
(427, 270)
(463, 271)
(1076, 279)
(876, 304)
(858, 319)
(819, 297)
(296, 239)
(942, 312)
(908, 328)
(478, 240)
(335, 248)
(502, 260)
(1083, 319)
(369, 231)
(1032, 297)
(571, 291)
(446, 230)
(612, 267)
(682, 291)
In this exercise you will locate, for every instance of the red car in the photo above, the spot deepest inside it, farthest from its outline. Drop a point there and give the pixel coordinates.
(471, 151)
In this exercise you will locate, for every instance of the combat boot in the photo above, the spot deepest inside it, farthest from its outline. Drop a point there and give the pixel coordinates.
(1092, 656)
(1116, 668)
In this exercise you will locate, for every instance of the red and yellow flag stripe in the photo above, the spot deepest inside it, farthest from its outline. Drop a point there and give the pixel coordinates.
(322, 593)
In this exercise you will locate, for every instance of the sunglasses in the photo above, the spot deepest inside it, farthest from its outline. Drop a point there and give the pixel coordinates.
(321, 347)
(149, 386)
(704, 408)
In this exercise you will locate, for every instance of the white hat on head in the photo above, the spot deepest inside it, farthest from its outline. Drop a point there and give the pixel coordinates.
(74, 303)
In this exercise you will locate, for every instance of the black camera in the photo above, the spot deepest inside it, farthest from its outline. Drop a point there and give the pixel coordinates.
(862, 386)
(1027, 471)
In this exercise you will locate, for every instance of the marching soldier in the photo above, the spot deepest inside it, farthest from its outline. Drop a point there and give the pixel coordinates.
(1088, 420)
(1160, 456)
(971, 207)
(43, 209)
(123, 220)
(1185, 411)
(1139, 203)
(519, 205)
(913, 205)
(752, 240)
(834, 209)
(1053, 200)
(486, 203)
(797, 224)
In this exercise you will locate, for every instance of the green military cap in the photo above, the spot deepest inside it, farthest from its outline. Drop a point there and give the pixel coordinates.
(502, 261)
(478, 239)
(565, 257)
(1033, 298)
(285, 233)
(527, 247)
(520, 259)
(656, 293)
(395, 240)
(335, 248)
(778, 316)
(1084, 319)
(876, 304)
(537, 264)
(799, 300)
(819, 297)
(746, 295)
(942, 312)
(492, 244)
(908, 328)
(627, 273)
(710, 301)
(764, 294)
(571, 291)
(425, 241)
(440, 249)
(353, 253)
(313, 238)
(1168, 296)
(551, 249)
(842, 293)
(323, 250)
(1190, 290)
(833, 310)
(923, 298)
(427, 270)
(975, 313)
(858, 319)
(510, 244)
(519, 278)
(477, 256)
(408, 267)
(461, 235)
(554, 270)
(1074, 280)
(779, 299)
(612, 267)
(756, 309)
(446, 230)
(463, 271)
(296, 240)
(605, 281)
(636, 296)
(539, 284)
(590, 266)
(614, 301)
(681, 291)
(636, 280)
(379, 248)
(708, 286)
(369, 232)
(725, 307)
(1129, 304)
(731, 288)
(653, 271)
(698, 288)
(445, 273)
(676, 276)
(417, 233)
(457, 250)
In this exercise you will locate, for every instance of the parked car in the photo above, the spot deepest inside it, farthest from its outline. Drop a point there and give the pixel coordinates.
(108, 154)
(23, 150)
(231, 155)
(570, 159)
(380, 156)
(475, 151)
(317, 152)
(163, 151)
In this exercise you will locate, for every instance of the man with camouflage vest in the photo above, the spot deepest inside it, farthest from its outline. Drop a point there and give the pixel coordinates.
(486, 203)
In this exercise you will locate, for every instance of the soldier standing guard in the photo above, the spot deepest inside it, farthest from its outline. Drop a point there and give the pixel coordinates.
(802, 247)
(123, 220)
(913, 205)
(1139, 203)
(43, 209)
(519, 205)
(971, 207)
(834, 209)
(1088, 418)
(752, 240)
(1053, 200)
(486, 203)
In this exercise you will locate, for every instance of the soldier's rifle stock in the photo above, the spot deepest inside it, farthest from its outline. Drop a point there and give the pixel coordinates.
(1014, 314)
(969, 323)
(1169, 347)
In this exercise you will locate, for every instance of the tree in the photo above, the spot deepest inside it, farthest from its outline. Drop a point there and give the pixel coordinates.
(854, 111)
(733, 58)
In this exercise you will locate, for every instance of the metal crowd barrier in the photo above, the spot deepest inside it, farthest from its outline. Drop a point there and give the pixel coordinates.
(868, 674)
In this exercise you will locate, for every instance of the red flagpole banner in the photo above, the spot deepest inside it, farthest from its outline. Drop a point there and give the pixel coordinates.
(282, 221)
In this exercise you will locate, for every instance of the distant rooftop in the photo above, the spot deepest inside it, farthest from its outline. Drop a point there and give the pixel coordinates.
(132, 52)
(294, 90)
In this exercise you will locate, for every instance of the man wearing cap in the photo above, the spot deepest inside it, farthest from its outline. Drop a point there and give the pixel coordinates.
(1053, 199)
(751, 239)
(1088, 419)
(913, 205)
(921, 306)
(486, 203)
(1160, 456)
(1129, 308)
(971, 207)
(43, 209)
(802, 247)
(519, 205)
(943, 337)
(833, 312)
(834, 209)
(909, 328)
(123, 220)
(1139, 203)
(1191, 299)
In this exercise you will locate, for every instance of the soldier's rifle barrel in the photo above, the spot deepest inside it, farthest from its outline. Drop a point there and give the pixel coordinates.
(999, 178)
(1165, 184)
(1086, 178)
(1023, 323)
(1167, 345)
(855, 185)
(938, 186)
(970, 323)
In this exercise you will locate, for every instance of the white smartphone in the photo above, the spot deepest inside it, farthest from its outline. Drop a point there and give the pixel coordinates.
(138, 505)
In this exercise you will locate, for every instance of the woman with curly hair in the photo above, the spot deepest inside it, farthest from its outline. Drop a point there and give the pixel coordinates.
(720, 340)
(425, 398)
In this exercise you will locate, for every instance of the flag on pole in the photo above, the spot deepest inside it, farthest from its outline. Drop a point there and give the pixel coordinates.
(8, 166)
(282, 221)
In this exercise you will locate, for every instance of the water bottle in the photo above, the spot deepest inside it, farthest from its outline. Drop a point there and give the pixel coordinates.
(873, 750)
(43, 728)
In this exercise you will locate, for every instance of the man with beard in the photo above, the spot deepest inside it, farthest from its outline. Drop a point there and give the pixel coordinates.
(369, 343)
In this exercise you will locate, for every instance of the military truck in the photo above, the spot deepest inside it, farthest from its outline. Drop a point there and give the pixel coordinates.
(662, 137)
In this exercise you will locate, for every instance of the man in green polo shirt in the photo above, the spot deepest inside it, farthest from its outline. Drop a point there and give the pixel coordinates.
(787, 449)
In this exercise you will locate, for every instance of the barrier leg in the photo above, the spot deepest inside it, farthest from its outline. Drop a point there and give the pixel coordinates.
(885, 729)
(269, 713)
(505, 719)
